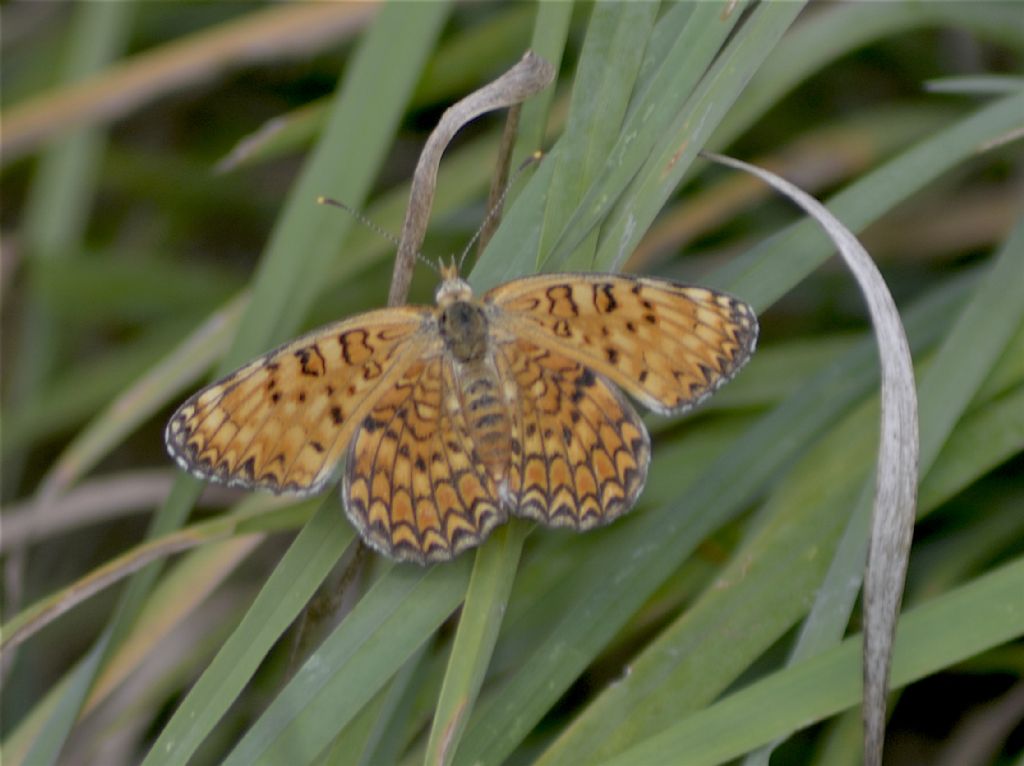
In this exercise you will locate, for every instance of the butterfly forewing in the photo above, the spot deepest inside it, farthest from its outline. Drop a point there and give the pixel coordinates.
(283, 421)
(667, 345)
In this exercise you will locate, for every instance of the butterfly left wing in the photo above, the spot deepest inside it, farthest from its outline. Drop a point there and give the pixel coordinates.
(414, 487)
(283, 421)
(667, 345)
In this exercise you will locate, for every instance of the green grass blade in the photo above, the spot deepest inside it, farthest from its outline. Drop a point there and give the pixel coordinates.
(369, 737)
(683, 46)
(384, 629)
(819, 39)
(550, 32)
(308, 561)
(489, 587)
(675, 149)
(984, 439)
(972, 348)
(984, 613)
(613, 50)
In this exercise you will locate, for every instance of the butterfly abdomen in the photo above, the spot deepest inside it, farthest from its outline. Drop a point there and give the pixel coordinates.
(486, 413)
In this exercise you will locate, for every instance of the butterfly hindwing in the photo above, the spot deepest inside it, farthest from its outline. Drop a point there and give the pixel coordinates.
(413, 486)
(668, 345)
(580, 452)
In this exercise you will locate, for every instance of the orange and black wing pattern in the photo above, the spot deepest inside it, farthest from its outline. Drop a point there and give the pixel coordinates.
(414, 487)
(283, 421)
(667, 345)
(579, 451)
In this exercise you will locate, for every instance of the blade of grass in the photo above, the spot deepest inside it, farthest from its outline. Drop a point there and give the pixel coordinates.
(486, 598)
(983, 440)
(250, 518)
(605, 79)
(522, 227)
(360, 743)
(550, 32)
(408, 718)
(984, 613)
(256, 36)
(688, 39)
(308, 561)
(186, 587)
(676, 147)
(384, 629)
(821, 38)
(973, 347)
(894, 500)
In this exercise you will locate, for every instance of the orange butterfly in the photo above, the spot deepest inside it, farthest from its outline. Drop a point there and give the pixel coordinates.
(452, 417)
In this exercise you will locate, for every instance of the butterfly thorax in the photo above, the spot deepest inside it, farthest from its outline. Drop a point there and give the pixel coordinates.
(463, 326)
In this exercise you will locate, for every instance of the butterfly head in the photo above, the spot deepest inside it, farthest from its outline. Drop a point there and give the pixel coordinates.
(452, 288)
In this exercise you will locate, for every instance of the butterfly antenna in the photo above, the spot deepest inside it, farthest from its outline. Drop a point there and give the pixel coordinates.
(496, 207)
(372, 227)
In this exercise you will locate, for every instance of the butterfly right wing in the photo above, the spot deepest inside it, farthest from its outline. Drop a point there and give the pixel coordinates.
(668, 345)
(580, 453)
(283, 421)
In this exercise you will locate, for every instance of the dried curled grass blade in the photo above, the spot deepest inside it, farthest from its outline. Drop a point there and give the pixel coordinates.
(529, 75)
(895, 500)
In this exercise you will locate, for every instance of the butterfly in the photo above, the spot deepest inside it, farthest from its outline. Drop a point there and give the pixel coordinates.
(449, 418)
